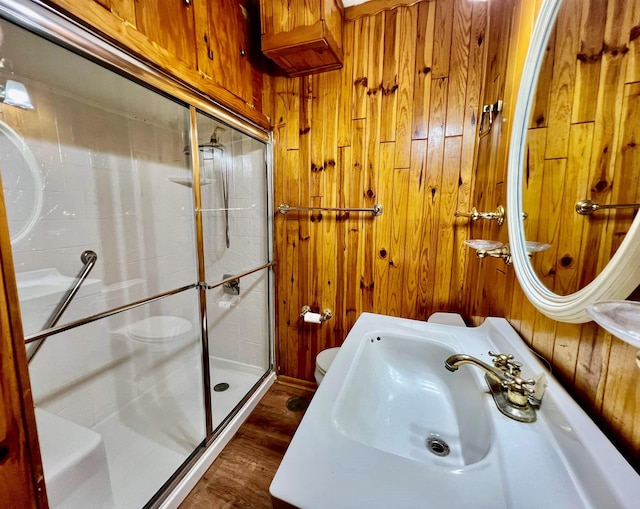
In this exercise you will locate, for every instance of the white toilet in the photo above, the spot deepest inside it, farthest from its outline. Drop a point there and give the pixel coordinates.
(323, 361)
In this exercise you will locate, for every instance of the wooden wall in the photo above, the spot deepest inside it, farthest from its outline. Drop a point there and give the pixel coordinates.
(396, 126)
(597, 369)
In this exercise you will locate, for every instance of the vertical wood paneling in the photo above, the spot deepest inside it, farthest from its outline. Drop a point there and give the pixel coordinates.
(407, 17)
(442, 38)
(359, 137)
(423, 68)
(346, 87)
(459, 67)
(400, 123)
(382, 229)
(389, 85)
(397, 254)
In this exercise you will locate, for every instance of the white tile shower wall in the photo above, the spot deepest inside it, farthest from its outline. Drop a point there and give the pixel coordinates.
(239, 333)
(106, 188)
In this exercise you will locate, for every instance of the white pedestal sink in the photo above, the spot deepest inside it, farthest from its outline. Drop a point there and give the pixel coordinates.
(366, 438)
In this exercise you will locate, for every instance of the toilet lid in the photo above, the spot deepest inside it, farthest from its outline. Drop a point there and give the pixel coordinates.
(325, 358)
(158, 328)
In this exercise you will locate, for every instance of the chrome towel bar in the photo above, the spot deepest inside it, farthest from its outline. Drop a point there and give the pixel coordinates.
(586, 207)
(376, 210)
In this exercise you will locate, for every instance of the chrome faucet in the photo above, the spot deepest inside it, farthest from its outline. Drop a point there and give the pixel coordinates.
(513, 395)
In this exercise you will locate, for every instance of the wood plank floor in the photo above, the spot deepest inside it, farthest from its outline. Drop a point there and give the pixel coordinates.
(241, 475)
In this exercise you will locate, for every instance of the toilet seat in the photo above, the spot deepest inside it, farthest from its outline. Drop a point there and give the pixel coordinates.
(325, 358)
(158, 328)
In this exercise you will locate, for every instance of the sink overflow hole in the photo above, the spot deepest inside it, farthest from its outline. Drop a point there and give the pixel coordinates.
(221, 387)
(437, 446)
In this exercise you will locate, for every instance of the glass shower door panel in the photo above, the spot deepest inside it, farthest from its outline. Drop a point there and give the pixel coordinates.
(234, 200)
(234, 195)
(128, 388)
(238, 328)
(103, 168)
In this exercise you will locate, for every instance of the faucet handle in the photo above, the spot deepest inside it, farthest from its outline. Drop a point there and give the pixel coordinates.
(518, 384)
(506, 363)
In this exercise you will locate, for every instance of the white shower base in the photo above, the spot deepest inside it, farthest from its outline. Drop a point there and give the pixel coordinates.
(150, 438)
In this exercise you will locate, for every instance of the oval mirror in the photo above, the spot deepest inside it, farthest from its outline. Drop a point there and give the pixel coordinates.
(21, 183)
(573, 139)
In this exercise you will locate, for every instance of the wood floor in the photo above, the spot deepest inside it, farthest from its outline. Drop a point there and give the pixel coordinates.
(241, 475)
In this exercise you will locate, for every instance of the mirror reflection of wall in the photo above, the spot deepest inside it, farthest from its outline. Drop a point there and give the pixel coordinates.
(581, 142)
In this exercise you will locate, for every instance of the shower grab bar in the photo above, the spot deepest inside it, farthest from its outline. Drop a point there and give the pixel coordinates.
(238, 276)
(127, 307)
(586, 207)
(376, 210)
(105, 314)
(89, 259)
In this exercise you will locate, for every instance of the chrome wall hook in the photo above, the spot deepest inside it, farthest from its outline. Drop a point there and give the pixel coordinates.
(488, 111)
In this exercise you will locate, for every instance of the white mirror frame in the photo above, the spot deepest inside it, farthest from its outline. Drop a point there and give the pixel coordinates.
(34, 172)
(622, 274)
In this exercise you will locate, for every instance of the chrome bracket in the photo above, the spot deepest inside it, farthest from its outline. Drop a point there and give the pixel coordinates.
(474, 215)
(500, 252)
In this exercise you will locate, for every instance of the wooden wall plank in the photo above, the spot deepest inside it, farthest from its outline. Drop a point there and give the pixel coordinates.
(572, 225)
(389, 84)
(460, 41)
(448, 205)
(415, 213)
(589, 59)
(406, 65)
(442, 38)
(382, 229)
(423, 67)
(397, 252)
(633, 67)
(563, 79)
(360, 59)
(346, 87)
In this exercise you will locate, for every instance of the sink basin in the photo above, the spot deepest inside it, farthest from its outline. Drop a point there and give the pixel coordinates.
(390, 427)
(397, 397)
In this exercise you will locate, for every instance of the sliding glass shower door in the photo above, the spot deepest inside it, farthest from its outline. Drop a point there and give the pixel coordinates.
(97, 162)
(235, 231)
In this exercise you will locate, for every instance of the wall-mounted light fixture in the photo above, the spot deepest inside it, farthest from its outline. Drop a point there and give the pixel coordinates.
(15, 93)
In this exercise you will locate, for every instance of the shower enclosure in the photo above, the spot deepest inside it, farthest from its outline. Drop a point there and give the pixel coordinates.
(169, 335)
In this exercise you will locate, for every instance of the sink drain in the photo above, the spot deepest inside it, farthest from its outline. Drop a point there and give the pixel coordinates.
(223, 386)
(437, 446)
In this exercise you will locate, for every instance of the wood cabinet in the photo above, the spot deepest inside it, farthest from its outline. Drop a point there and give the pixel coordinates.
(302, 37)
(204, 43)
(228, 47)
(170, 25)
